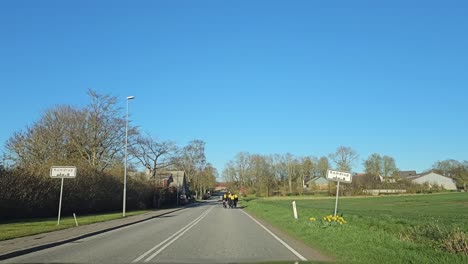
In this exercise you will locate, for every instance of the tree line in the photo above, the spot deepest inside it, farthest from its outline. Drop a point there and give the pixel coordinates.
(286, 174)
(272, 174)
(92, 138)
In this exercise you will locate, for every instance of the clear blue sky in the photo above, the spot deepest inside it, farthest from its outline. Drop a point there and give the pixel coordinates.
(260, 76)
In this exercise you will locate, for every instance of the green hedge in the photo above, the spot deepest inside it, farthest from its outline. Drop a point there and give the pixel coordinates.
(25, 195)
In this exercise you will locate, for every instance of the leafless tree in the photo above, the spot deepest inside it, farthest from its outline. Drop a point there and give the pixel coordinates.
(344, 157)
(100, 138)
(153, 154)
(192, 160)
(64, 135)
(389, 167)
(376, 165)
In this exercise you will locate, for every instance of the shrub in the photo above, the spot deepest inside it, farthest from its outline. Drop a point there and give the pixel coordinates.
(25, 195)
(456, 242)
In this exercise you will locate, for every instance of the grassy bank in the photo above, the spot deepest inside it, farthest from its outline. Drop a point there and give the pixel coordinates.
(391, 229)
(27, 227)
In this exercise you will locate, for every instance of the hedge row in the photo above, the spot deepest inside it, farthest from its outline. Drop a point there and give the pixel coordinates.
(23, 195)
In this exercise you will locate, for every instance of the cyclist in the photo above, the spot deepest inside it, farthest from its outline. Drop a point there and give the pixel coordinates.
(236, 199)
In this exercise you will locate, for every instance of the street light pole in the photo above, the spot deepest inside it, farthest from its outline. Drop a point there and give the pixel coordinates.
(177, 184)
(125, 168)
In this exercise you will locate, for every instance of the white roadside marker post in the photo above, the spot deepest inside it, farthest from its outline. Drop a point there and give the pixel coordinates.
(76, 222)
(294, 209)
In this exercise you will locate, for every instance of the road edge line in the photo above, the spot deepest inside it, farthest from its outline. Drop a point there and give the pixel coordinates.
(302, 258)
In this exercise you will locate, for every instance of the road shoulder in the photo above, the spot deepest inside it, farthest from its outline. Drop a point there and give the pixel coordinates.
(24, 245)
(309, 253)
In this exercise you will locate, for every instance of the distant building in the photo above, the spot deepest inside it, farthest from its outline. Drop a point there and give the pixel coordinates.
(221, 186)
(433, 178)
(175, 179)
(320, 182)
(406, 174)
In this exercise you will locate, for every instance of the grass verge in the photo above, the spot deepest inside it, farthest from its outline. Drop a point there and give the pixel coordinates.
(27, 227)
(390, 229)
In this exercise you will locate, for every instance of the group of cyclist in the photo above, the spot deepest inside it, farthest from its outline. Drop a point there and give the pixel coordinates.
(230, 199)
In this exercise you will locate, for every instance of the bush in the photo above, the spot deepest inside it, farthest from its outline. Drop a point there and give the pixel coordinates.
(453, 241)
(456, 242)
(25, 195)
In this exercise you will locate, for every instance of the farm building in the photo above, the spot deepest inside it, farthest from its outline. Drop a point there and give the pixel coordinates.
(320, 183)
(434, 178)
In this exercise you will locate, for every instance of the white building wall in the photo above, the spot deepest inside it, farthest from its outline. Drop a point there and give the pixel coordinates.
(434, 178)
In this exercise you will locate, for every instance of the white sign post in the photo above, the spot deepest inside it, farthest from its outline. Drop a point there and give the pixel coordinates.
(338, 176)
(62, 173)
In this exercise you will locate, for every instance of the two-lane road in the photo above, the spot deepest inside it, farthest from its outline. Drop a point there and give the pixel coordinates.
(206, 233)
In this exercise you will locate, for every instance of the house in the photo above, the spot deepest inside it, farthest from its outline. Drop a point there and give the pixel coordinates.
(434, 178)
(386, 179)
(220, 186)
(177, 180)
(321, 183)
(406, 174)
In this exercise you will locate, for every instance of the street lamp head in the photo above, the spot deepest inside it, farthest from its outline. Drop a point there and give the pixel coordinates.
(130, 97)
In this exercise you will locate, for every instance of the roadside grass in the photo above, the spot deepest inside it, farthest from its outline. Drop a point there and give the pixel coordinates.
(26, 227)
(387, 229)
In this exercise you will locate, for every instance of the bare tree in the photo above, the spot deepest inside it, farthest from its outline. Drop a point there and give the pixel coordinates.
(291, 162)
(306, 171)
(389, 167)
(373, 165)
(344, 157)
(153, 154)
(100, 139)
(93, 136)
(46, 142)
(230, 174)
(261, 171)
(376, 165)
(192, 160)
(209, 180)
(446, 167)
(322, 167)
(242, 161)
(454, 169)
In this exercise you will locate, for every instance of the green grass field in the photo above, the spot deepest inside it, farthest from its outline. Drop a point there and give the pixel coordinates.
(389, 229)
(27, 227)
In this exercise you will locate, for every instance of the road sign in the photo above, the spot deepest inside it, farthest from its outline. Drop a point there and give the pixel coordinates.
(339, 176)
(63, 172)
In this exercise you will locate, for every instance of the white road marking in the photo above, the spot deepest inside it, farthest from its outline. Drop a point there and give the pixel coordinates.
(182, 230)
(277, 238)
(177, 237)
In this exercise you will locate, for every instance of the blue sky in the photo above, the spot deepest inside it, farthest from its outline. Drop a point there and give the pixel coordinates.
(260, 76)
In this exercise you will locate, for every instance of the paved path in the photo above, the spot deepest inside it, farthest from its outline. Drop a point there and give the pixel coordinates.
(206, 233)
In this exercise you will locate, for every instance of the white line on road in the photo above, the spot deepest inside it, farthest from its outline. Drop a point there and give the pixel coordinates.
(277, 238)
(177, 237)
(183, 229)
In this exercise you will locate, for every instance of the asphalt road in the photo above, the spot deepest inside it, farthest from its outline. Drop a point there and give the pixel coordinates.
(206, 233)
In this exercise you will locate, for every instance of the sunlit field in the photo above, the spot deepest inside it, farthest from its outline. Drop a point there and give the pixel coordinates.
(389, 229)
